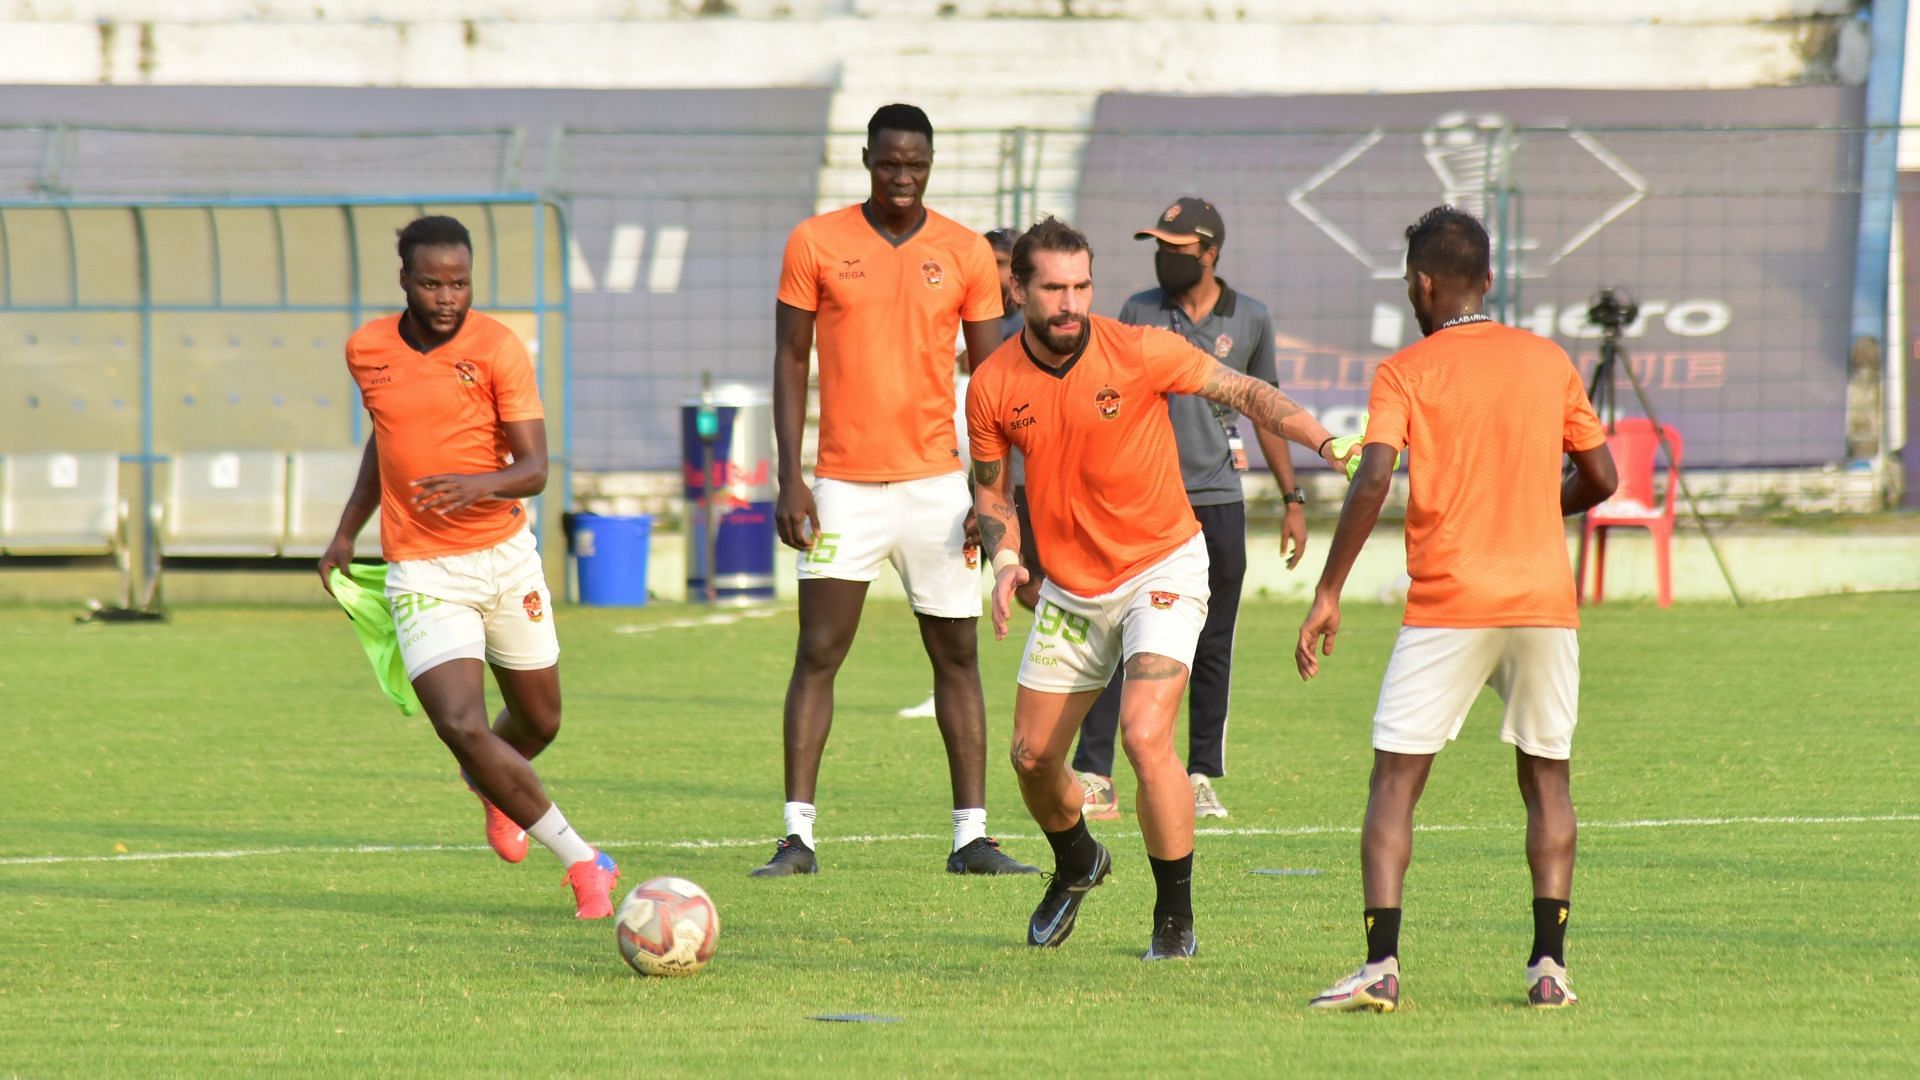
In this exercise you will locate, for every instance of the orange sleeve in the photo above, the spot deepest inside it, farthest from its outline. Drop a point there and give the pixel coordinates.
(800, 273)
(1173, 365)
(516, 390)
(985, 440)
(1387, 409)
(982, 275)
(1583, 430)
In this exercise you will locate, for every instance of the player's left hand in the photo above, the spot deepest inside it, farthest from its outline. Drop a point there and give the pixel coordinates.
(451, 492)
(1323, 622)
(1003, 585)
(1293, 534)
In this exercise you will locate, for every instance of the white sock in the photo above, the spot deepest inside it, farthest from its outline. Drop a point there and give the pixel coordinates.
(553, 831)
(969, 825)
(799, 817)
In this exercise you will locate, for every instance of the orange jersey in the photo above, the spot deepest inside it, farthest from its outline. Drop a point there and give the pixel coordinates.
(1485, 412)
(887, 319)
(1103, 471)
(441, 412)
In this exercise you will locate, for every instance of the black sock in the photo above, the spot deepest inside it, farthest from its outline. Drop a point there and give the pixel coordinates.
(1549, 930)
(1072, 851)
(1173, 880)
(1383, 933)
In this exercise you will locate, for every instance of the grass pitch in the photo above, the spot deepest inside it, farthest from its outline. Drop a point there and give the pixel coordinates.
(264, 868)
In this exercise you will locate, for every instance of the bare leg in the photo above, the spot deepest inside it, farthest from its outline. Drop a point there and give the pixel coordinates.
(829, 615)
(959, 706)
(1551, 828)
(1149, 704)
(454, 696)
(1043, 729)
(1386, 841)
(531, 717)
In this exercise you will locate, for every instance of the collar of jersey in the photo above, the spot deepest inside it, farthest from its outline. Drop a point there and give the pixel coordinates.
(1061, 371)
(1222, 306)
(873, 222)
(407, 346)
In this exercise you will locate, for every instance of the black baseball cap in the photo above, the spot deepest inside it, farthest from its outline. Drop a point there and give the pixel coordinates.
(1189, 220)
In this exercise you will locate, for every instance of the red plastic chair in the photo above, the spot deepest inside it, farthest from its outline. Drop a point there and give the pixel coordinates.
(1636, 450)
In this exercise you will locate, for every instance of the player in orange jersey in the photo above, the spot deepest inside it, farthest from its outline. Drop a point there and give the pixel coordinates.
(1485, 413)
(452, 394)
(884, 287)
(1085, 399)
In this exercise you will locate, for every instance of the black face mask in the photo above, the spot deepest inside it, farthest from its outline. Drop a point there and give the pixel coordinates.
(1177, 272)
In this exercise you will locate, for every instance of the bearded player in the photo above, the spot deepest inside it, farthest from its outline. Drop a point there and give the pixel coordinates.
(1085, 399)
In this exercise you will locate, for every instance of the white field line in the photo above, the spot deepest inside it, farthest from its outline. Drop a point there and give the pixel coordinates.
(895, 838)
(727, 618)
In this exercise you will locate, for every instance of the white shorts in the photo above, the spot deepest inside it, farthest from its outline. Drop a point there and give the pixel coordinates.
(490, 605)
(1077, 641)
(1437, 672)
(920, 526)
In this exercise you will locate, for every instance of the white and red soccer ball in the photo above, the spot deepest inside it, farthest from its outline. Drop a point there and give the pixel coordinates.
(667, 926)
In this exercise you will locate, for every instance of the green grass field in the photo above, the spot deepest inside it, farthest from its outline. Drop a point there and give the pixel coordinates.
(1745, 899)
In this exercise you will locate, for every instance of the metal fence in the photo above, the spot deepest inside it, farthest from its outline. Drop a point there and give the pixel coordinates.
(150, 329)
(1739, 241)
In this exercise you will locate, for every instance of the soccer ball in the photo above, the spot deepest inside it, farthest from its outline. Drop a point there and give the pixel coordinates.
(667, 926)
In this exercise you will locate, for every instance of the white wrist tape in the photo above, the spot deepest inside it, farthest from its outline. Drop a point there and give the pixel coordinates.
(1004, 558)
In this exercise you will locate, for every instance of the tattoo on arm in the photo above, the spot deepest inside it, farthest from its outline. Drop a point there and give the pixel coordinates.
(1252, 398)
(1152, 666)
(993, 530)
(986, 473)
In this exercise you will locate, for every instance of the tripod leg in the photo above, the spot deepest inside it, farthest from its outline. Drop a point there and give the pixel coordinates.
(1692, 507)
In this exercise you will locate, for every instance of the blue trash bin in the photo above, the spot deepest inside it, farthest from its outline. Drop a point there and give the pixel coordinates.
(612, 554)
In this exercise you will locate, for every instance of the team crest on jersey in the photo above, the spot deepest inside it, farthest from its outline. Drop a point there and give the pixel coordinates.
(535, 610)
(466, 372)
(932, 272)
(1222, 345)
(1162, 600)
(1108, 402)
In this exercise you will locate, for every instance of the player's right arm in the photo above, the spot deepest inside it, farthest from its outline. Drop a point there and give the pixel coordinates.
(1265, 405)
(993, 510)
(1593, 477)
(999, 536)
(361, 505)
(795, 517)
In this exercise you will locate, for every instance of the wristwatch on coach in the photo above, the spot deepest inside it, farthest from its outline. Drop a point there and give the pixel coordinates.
(1294, 496)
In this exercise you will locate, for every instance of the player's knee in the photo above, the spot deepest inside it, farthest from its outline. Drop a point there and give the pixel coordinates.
(542, 724)
(819, 653)
(463, 730)
(956, 654)
(1031, 762)
(1147, 748)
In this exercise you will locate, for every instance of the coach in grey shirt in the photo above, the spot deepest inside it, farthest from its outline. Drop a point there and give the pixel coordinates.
(1238, 331)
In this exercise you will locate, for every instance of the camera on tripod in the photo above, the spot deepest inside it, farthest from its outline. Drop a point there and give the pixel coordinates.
(1612, 310)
